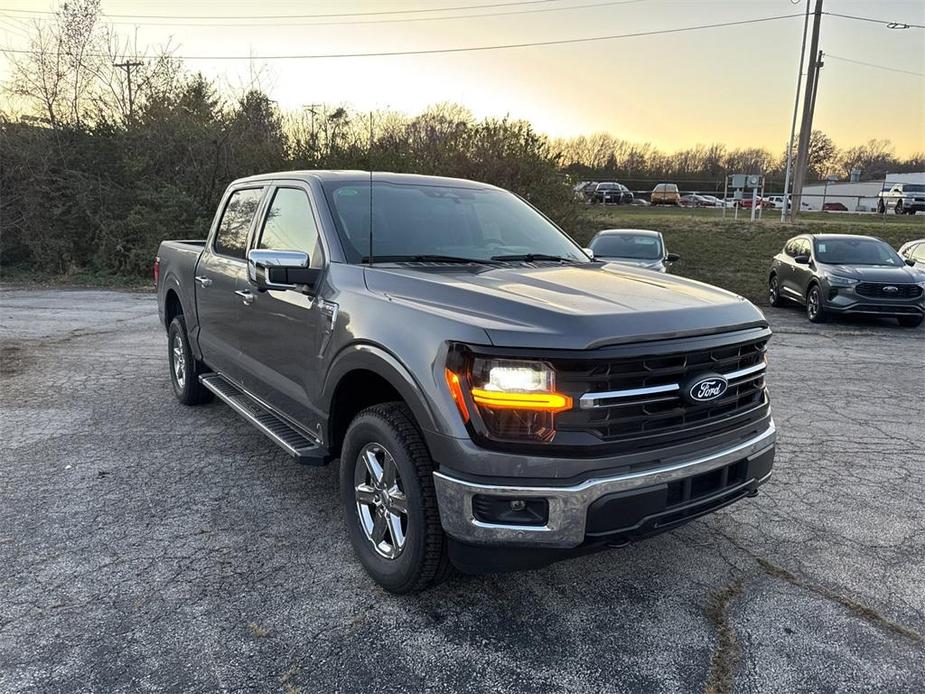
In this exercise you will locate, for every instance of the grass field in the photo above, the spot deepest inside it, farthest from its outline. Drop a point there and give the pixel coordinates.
(732, 254)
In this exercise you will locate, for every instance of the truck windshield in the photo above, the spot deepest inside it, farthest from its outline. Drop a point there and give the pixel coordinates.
(634, 246)
(410, 220)
(856, 252)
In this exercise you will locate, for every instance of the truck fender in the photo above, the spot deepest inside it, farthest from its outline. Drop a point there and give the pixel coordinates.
(383, 363)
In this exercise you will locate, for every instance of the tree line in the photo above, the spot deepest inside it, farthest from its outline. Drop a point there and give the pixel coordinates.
(95, 170)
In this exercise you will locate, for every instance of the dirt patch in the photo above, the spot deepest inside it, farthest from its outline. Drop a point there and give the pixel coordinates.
(13, 360)
(728, 652)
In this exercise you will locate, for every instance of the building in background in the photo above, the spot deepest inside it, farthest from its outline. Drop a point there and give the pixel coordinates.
(856, 197)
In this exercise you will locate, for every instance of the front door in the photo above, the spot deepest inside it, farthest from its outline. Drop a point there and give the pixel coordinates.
(220, 274)
(282, 334)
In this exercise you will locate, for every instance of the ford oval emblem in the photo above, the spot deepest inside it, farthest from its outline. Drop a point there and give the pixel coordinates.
(891, 289)
(706, 388)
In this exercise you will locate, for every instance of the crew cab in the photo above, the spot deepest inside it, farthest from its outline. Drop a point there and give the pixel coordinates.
(495, 398)
(902, 198)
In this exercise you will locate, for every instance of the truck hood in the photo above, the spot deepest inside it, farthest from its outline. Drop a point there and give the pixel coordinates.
(876, 273)
(566, 306)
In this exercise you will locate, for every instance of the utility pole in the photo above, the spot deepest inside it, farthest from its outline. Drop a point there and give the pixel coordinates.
(793, 122)
(806, 126)
(128, 65)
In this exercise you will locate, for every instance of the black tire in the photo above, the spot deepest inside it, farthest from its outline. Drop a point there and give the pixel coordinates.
(187, 388)
(422, 560)
(815, 306)
(899, 207)
(774, 297)
(881, 208)
(910, 321)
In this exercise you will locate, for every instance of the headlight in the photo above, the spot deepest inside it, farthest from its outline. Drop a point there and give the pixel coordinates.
(839, 281)
(514, 399)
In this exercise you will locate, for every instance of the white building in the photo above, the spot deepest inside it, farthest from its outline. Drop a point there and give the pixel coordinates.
(857, 197)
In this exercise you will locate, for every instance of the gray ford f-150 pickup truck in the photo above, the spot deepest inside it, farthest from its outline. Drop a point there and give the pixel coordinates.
(496, 399)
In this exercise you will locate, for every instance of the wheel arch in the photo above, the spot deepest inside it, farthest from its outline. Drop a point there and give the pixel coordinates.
(363, 375)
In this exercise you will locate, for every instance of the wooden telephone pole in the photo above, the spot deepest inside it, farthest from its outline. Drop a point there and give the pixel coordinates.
(809, 105)
(128, 66)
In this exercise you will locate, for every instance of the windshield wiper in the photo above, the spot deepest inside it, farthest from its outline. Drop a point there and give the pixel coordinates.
(530, 257)
(426, 258)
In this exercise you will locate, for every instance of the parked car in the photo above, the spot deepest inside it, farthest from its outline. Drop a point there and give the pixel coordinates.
(637, 247)
(486, 386)
(777, 202)
(694, 200)
(834, 207)
(712, 200)
(746, 203)
(612, 193)
(584, 190)
(913, 253)
(902, 198)
(665, 194)
(843, 273)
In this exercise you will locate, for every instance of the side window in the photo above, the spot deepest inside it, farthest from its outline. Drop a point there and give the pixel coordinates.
(918, 253)
(805, 247)
(231, 239)
(791, 247)
(290, 225)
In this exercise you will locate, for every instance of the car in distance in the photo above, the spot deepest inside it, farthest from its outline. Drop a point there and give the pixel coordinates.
(636, 247)
(665, 194)
(584, 190)
(612, 193)
(913, 253)
(902, 198)
(711, 200)
(834, 207)
(496, 399)
(694, 200)
(843, 274)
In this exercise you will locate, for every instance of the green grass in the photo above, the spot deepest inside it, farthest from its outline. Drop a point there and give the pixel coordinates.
(732, 254)
(20, 275)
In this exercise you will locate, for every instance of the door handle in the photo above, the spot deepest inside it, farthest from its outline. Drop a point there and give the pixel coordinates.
(247, 296)
(203, 280)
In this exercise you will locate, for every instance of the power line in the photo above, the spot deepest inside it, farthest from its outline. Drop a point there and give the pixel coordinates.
(879, 67)
(402, 20)
(308, 16)
(888, 23)
(470, 49)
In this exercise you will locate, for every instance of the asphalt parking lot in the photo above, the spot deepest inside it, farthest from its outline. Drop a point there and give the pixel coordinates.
(147, 546)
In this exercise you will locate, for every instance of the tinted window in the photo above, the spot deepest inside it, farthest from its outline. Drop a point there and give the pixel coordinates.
(290, 225)
(855, 251)
(635, 246)
(410, 220)
(914, 188)
(231, 238)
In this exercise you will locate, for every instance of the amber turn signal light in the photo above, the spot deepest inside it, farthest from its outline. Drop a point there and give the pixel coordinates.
(452, 382)
(544, 402)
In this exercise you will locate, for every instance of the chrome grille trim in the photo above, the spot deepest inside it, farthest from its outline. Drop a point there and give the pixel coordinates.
(590, 401)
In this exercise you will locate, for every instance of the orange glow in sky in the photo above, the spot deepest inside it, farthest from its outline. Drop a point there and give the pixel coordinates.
(732, 85)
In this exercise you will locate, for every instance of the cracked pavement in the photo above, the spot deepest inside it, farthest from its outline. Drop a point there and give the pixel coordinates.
(146, 546)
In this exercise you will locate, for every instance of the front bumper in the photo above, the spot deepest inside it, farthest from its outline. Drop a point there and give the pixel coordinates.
(640, 501)
(846, 300)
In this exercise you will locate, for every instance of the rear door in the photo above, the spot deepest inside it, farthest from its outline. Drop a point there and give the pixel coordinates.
(282, 330)
(220, 275)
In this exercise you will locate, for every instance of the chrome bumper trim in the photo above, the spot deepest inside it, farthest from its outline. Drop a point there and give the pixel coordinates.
(568, 506)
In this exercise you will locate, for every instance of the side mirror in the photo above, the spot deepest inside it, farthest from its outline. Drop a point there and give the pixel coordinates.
(589, 253)
(672, 257)
(801, 259)
(269, 269)
(910, 262)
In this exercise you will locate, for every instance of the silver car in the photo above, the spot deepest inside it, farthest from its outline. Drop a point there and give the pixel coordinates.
(637, 247)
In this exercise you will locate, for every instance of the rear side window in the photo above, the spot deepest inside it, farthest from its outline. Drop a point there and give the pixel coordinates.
(290, 225)
(231, 239)
(791, 247)
(918, 253)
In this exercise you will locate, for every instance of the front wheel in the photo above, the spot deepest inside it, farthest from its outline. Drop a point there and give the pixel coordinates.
(184, 369)
(910, 321)
(774, 297)
(815, 310)
(899, 207)
(390, 505)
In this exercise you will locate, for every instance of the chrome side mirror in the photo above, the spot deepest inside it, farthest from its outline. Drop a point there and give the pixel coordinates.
(270, 269)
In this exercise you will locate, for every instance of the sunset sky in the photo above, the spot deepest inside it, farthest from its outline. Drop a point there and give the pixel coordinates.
(733, 85)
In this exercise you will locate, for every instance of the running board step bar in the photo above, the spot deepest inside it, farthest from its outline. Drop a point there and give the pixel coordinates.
(297, 444)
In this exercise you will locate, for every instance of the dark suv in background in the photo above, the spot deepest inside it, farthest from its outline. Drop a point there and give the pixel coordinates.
(844, 273)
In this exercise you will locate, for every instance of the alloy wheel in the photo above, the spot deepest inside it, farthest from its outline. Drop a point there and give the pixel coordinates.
(812, 303)
(179, 362)
(381, 503)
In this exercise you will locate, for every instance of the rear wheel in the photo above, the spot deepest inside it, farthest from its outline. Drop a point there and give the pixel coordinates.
(815, 310)
(390, 505)
(910, 321)
(184, 369)
(881, 208)
(774, 297)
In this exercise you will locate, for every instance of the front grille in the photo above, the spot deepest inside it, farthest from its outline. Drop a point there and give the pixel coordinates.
(876, 290)
(653, 420)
